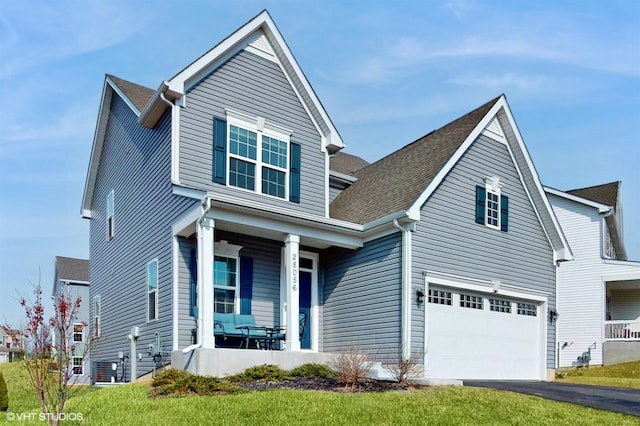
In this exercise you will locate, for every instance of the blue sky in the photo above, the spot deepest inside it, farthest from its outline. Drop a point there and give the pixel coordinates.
(387, 73)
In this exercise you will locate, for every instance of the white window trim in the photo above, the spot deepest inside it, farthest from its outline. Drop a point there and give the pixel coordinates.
(155, 317)
(81, 332)
(229, 251)
(262, 128)
(492, 185)
(110, 218)
(97, 306)
(81, 365)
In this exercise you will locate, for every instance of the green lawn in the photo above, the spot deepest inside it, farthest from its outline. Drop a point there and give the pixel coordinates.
(131, 405)
(626, 375)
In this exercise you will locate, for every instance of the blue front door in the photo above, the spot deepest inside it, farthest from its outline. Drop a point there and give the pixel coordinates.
(305, 308)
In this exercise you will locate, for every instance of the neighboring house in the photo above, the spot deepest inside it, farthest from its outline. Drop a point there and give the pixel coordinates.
(224, 191)
(599, 292)
(72, 276)
(11, 345)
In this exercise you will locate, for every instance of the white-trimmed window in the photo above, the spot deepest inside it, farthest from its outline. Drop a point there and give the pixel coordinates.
(225, 284)
(492, 207)
(440, 297)
(258, 156)
(111, 227)
(470, 301)
(78, 332)
(528, 309)
(499, 305)
(152, 290)
(97, 308)
(78, 367)
(226, 277)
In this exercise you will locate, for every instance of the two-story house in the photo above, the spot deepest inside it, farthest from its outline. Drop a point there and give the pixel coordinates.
(72, 277)
(224, 191)
(598, 292)
(11, 345)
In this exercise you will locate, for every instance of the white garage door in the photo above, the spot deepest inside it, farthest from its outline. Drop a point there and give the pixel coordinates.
(480, 336)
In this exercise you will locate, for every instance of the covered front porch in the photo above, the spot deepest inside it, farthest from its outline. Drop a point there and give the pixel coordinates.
(621, 328)
(245, 264)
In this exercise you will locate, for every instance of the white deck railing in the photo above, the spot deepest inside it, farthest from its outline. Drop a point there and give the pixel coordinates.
(622, 330)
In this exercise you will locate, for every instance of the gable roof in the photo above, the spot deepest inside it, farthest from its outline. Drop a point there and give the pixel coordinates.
(606, 199)
(347, 164)
(137, 94)
(71, 269)
(606, 193)
(151, 105)
(398, 185)
(397, 180)
(250, 34)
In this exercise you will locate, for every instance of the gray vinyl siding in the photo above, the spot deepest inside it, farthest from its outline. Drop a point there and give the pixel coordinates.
(136, 164)
(362, 298)
(186, 322)
(448, 240)
(253, 85)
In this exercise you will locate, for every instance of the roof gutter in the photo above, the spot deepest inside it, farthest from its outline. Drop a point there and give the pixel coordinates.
(157, 105)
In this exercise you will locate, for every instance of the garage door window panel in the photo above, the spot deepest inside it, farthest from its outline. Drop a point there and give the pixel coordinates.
(470, 301)
(440, 297)
(499, 305)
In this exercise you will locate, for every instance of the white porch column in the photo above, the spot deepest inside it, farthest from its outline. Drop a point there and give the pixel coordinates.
(292, 268)
(205, 230)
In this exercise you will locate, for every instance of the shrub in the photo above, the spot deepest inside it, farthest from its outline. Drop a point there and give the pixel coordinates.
(266, 372)
(352, 366)
(406, 369)
(178, 382)
(4, 395)
(313, 370)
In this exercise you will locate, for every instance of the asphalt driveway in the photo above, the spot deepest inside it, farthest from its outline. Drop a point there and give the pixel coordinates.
(620, 400)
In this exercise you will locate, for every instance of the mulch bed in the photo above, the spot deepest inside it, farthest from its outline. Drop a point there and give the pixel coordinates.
(332, 385)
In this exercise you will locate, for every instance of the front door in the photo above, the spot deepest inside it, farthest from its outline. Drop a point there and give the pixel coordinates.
(305, 309)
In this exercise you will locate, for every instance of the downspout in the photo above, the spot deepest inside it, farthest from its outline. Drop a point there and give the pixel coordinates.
(406, 288)
(206, 206)
(175, 135)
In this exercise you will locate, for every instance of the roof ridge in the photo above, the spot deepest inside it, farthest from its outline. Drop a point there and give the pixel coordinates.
(396, 181)
(617, 182)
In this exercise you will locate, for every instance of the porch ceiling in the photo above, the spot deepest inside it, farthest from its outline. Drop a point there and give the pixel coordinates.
(270, 234)
(623, 285)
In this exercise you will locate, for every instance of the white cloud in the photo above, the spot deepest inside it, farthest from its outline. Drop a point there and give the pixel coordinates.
(39, 32)
(503, 82)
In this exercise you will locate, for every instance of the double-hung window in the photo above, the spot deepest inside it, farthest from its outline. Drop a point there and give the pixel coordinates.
(492, 207)
(78, 332)
(226, 277)
(152, 290)
(225, 284)
(111, 228)
(78, 368)
(255, 155)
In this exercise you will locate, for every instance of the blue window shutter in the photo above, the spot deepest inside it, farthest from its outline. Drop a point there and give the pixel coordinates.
(193, 284)
(504, 213)
(219, 151)
(246, 284)
(481, 195)
(294, 173)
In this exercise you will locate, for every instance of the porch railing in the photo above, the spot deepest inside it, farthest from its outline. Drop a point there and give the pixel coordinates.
(622, 330)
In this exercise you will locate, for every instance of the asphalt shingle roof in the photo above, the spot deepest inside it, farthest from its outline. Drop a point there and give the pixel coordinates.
(347, 164)
(72, 269)
(606, 193)
(138, 94)
(396, 181)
